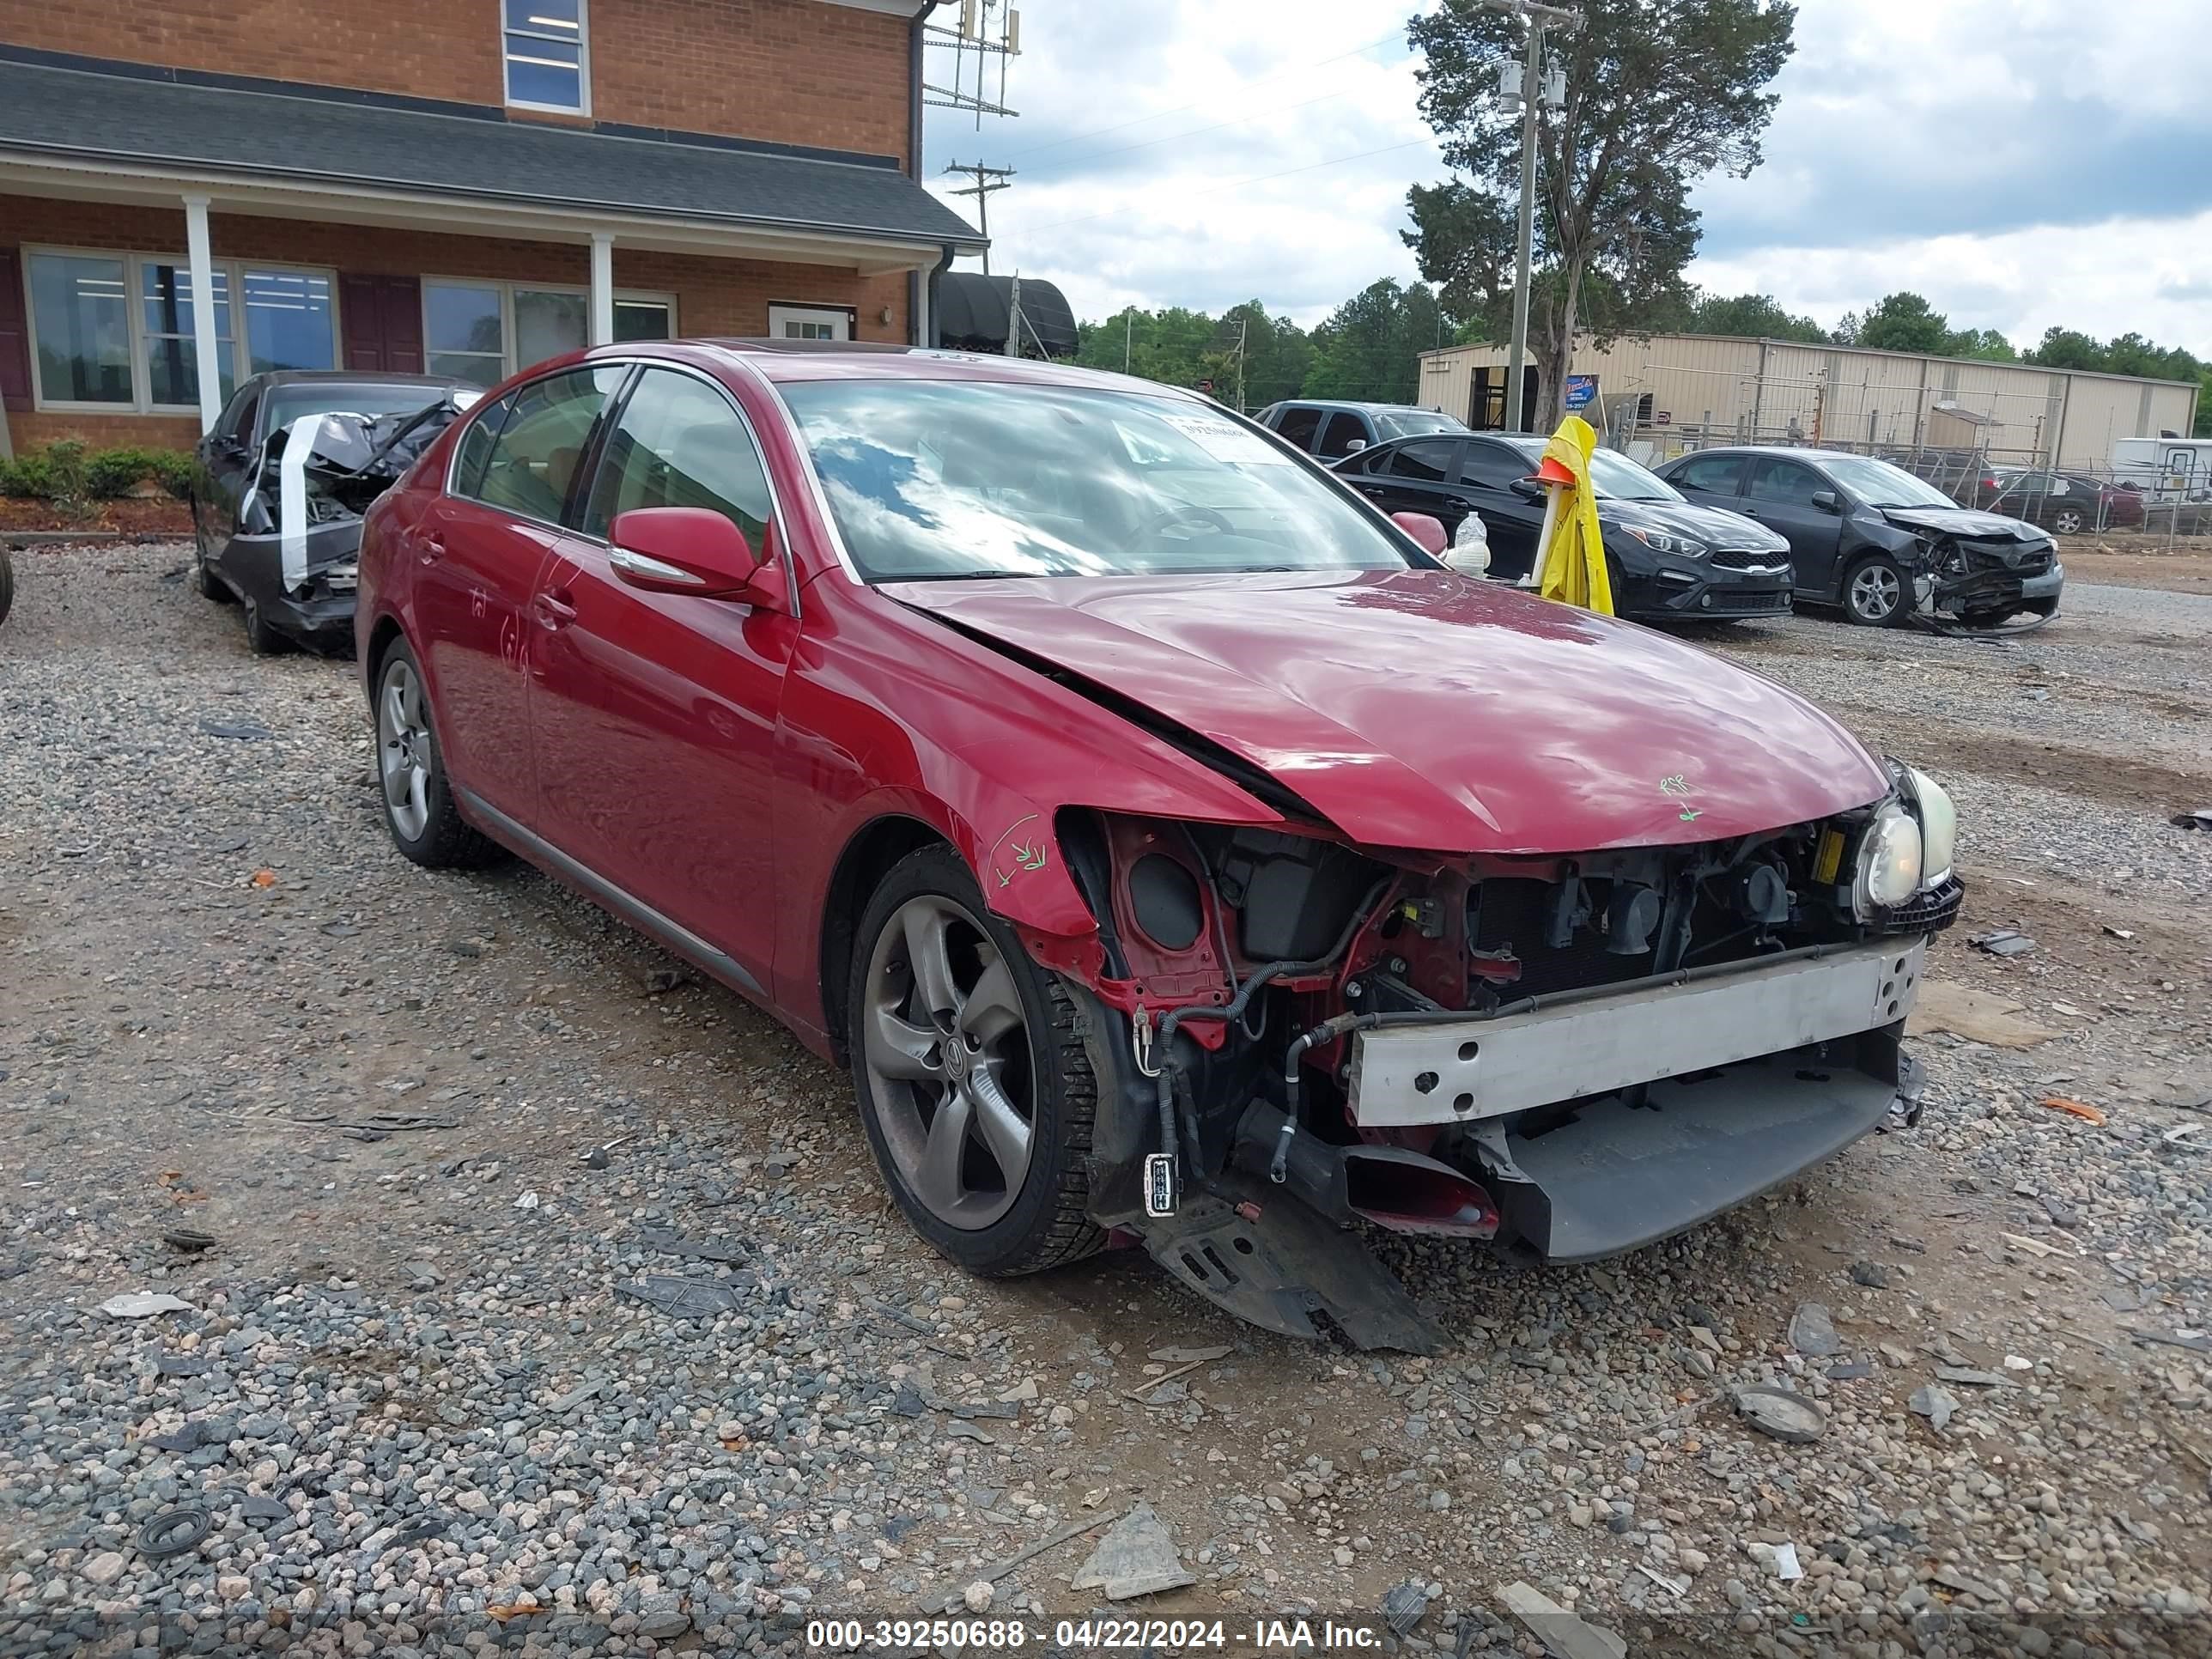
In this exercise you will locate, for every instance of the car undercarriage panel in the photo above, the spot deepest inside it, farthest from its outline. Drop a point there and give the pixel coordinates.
(1619, 1176)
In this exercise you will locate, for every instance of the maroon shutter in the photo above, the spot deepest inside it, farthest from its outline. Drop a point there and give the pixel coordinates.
(403, 325)
(383, 324)
(14, 335)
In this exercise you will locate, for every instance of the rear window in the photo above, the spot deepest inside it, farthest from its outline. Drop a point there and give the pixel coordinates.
(287, 403)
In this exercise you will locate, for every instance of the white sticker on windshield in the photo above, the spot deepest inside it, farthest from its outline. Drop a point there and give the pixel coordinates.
(1226, 440)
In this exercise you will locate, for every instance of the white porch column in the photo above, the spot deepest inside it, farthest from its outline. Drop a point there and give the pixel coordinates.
(603, 288)
(207, 356)
(921, 308)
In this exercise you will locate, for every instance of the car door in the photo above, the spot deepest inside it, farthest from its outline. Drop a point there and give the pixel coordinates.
(1342, 434)
(1710, 480)
(1488, 472)
(1299, 426)
(653, 715)
(1779, 493)
(481, 546)
(1417, 474)
(226, 462)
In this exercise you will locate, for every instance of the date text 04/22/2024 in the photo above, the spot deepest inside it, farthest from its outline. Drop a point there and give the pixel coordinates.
(1093, 1635)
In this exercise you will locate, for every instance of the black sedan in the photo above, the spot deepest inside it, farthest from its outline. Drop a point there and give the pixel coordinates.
(1879, 541)
(1668, 560)
(302, 589)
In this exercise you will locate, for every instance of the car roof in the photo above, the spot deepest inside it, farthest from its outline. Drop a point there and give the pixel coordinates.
(349, 377)
(786, 362)
(1358, 406)
(1788, 452)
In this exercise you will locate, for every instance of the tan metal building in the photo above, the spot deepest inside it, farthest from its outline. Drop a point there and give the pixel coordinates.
(1677, 391)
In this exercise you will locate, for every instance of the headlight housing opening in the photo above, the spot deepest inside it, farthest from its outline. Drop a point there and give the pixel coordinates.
(1890, 860)
(1661, 541)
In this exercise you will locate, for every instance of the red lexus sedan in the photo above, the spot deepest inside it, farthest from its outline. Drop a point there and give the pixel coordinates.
(1174, 849)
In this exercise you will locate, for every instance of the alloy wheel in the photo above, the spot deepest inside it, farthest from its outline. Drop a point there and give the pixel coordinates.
(2068, 523)
(1876, 592)
(946, 1056)
(403, 749)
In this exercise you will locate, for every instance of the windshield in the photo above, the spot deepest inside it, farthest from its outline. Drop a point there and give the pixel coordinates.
(288, 403)
(1880, 485)
(1615, 476)
(1412, 422)
(952, 478)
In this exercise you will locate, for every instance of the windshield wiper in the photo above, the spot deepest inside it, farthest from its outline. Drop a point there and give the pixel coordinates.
(972, 575)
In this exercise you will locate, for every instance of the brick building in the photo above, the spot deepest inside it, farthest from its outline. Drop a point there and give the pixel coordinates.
(195, 192)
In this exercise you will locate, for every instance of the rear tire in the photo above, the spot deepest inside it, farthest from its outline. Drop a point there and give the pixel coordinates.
(262, 638)
(7, 584)
(410, 769)
(1875, 593)
(971, 1061)
(2067, 521)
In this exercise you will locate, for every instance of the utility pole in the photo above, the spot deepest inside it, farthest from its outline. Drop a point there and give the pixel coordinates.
(1536, 18)
(1014, 317)
(987, 178)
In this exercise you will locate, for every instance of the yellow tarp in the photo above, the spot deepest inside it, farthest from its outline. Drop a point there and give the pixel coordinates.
(1571, 563)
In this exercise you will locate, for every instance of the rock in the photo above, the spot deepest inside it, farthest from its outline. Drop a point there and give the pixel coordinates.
(1440, 1499)
(977, 1596)
(1789, 1418)
(1704, 1339)
(1813, 1333)
(1971, 1378)
(1137, 1557)
(1934, 1404)
(104, 1568)
(1872, 1274)
(1693, 1561)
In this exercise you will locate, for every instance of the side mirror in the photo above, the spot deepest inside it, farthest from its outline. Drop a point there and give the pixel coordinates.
(1825, 498)
(1353, 446)
(1528, 490)
(1428, 533)
(693, 550)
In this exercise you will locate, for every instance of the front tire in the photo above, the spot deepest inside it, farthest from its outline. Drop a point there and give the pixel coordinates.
(970, 1069)
(1875, 593)
(262, 638)
(410, 772)
(2067, 521)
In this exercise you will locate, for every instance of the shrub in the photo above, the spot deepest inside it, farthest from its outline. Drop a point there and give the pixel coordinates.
(55, 473)
(65, 471)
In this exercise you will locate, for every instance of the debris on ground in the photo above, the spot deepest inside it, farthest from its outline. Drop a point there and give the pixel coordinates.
(1780, 1559)
(1967, 1376)
(669, 1242)
(1191, 1356)
(1935, 1404)
(1566, 1636)
(1403, 1606)
(237, 731)
(2200, 820)
(2002, 942)
(2082, 1109)
(1137, 1557)
(393, 1123)
(945, 1600)
(1782, 1413)
(528, 1201)
(663, 981)
(1813, 1333)
(2188, 1135)
(190, 1240)
(681, 1299)
(2195, 1341)
(144, 1304)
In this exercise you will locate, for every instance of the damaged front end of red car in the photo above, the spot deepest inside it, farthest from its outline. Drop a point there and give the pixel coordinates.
(1296, 1037)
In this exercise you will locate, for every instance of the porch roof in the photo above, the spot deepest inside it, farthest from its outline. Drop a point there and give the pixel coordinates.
(159, 125)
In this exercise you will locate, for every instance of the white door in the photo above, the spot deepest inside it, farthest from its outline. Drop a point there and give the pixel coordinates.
(810, 323)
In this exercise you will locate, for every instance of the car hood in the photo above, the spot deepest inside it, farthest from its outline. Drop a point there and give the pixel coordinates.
(1417, 709)
(1713, 524)
(1964, 521)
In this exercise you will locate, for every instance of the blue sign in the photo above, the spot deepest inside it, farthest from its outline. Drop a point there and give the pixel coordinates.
(1582, 393)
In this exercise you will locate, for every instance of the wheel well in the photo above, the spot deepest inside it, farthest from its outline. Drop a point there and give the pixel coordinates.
(867, 859)
(380, 637)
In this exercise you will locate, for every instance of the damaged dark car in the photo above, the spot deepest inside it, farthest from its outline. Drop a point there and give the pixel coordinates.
(1885, 547)
(1175, 852)
(280, 483)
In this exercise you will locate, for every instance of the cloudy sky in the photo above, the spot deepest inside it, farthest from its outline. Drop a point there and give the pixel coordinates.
(2019, 162)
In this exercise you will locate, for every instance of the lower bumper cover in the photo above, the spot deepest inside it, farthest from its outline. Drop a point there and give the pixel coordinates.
(1619, 1177)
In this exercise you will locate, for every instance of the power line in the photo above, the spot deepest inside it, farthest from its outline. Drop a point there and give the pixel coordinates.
(1235, 184)
(1183, 109)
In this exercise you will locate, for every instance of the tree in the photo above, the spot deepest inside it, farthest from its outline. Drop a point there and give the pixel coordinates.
(1905, 321)
(1278, 354)
(1370, 348)
(1660, 94)
(1754, 316)
(1984, 343)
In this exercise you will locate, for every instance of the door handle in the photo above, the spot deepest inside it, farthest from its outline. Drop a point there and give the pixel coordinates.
(430, 547)
(553, 609)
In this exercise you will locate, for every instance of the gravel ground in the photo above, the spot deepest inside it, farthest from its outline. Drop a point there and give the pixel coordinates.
(419, 1398)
